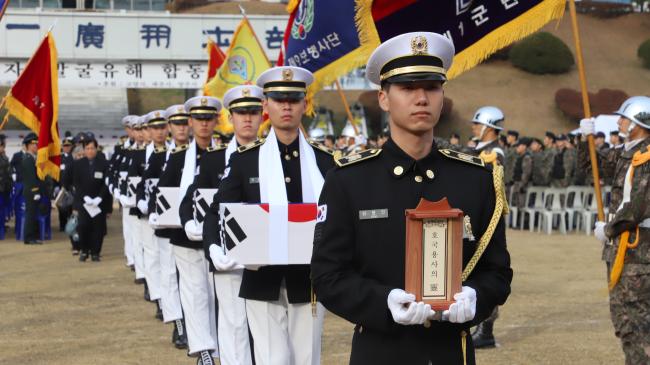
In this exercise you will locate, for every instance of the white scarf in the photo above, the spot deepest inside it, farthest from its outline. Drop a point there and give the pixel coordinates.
(171, 146)
(274, 192)
(189, 168)
(232, 147)
(148, 152)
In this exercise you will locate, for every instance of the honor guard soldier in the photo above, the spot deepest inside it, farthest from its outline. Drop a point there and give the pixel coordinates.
(245, 106)
(170, 303)
(486, 126)
(129, 212)
(156, 125)
(626, 235)
(195, 280)
(66, 183)
(33, 189)
(358, 262)
(285, 168)
(119, 155)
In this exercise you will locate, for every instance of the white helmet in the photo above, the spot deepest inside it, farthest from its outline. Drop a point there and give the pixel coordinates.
(489, 116)
(348, 131)
(317, 134)
(636, 109)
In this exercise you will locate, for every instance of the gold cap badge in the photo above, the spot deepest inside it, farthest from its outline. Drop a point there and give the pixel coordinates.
(419, 45)
(204, 101)
(287, 75)
(246, 92)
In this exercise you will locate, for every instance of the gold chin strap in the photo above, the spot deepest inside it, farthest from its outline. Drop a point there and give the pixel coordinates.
(499, 210)
(624, 239)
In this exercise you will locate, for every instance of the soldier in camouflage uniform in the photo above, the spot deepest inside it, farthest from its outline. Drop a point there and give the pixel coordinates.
(563, 164)
(511, 156)
(542, 160)
(626, 236)
(522, 172)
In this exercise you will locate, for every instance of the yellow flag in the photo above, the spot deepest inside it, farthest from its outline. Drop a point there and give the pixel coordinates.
(245, 61)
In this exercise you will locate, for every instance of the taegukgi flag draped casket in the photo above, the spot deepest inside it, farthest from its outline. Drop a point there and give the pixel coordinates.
(167, 203)
(131, 186)
(246, 233)
(202, 200)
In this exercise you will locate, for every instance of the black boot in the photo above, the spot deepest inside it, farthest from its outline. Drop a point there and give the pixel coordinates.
(139, 281)
(483, 336)
(146, 292)
(83, 256)
(205, 358)
(179, 337)
(159, 314)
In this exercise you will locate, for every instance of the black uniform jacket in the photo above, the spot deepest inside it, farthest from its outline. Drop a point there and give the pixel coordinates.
(66, 169)
(241, 184)
(136, 169)
(32, 185)
(357, 261)
(171, 177)
(89, 181)
(153, 170)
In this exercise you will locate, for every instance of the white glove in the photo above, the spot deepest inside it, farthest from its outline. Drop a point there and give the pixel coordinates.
(599, 231)
(222, 262)
(406, 310)
(124, 200)
(142, 205)
(97, 201)
(587, 126)
(153, 220)
(464, 309)
(37, 197)
(193, 231)
(110, 187)
(116, 193)
(87, 200)
(13, 177)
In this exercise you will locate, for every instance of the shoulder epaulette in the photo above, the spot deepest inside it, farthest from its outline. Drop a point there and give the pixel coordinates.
(357, 157)
(462, 157)
(251, 145)
(180, 148)
(218, 147)
(321, 147)
(160, 149)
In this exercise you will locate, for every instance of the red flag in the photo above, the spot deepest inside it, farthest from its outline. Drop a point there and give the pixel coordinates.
(34, 101)
(215, 60)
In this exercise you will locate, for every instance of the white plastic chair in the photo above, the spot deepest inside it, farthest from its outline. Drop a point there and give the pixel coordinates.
(589, 214)
(534, 205)
(513, 215)
(574, 205)
(553, 208)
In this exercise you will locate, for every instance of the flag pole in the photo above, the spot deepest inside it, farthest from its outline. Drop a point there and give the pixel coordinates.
(586, 109)
(346, 106)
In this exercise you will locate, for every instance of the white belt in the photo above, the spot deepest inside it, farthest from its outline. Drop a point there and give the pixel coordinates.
(645, 223)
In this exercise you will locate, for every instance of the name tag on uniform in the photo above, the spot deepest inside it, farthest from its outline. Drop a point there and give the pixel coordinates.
(373, 214)
(254, 180)
(99, 175)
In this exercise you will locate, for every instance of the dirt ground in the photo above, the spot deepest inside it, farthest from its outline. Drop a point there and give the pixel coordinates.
(56, 310)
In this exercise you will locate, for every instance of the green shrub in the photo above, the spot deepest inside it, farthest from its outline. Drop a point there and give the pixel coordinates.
(542, 53)
(644, 53)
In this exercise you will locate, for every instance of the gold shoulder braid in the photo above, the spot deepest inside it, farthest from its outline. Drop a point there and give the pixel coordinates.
(357, 157)
(218, 147)
(499, 210)
(490, 158)
(251, 145)
(180, 148)
(462, 157)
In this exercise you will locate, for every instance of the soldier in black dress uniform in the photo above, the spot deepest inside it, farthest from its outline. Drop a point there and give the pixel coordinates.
(359, 250)
(195, 281)
(269, 171)
(33, 189)
(245, 105)
(92, 200)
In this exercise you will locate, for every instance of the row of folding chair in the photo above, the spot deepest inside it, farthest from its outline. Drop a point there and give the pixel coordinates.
(570, 208)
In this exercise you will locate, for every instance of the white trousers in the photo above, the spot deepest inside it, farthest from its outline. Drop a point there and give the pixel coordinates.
(196, 286)
(234, 344)
(151, 257)
(284, 333)
(136, 245)
(170, 302)
(126, 230)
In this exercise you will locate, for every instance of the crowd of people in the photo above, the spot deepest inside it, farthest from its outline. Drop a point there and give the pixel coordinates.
(273, 313)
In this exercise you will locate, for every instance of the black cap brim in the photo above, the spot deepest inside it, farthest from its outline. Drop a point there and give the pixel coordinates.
(246, 109)
(413, 77)
(285, 95)
(204, 116)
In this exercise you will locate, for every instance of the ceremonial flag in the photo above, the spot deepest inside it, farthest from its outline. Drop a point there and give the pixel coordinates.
(215, 60)
(322, 37)
(3, 7)
(244, 62)
(478, 28)
(34, 101)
